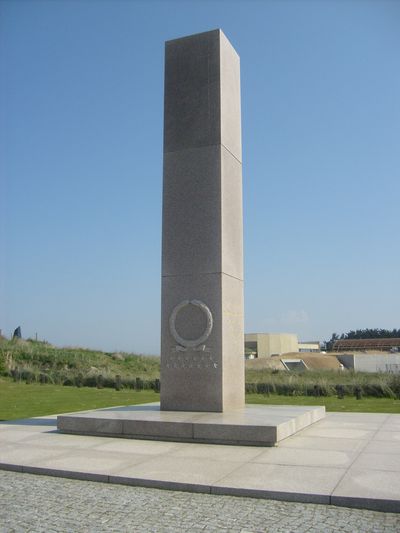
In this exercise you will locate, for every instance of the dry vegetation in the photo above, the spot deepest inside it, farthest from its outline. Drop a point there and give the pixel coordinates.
(34, 361)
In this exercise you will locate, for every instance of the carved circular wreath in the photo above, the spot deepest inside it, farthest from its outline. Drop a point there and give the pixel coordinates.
(188, 343)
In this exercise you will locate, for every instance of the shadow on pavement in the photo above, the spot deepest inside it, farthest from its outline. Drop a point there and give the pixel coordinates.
(31, 422)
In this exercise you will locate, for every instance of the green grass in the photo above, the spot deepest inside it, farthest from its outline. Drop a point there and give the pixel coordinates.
(332, 403)
(18, 400)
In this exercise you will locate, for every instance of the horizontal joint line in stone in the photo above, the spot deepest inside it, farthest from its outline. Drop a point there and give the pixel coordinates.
(199, 274)
(202, 146)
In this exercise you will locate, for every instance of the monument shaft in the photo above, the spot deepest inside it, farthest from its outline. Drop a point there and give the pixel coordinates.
(202, 345)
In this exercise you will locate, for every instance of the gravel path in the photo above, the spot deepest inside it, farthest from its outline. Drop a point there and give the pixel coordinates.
(45, 504)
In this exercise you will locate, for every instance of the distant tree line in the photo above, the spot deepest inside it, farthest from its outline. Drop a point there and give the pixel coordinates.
(368, 333)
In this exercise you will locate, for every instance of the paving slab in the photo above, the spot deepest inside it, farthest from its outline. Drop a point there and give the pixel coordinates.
(320, 443)
(340, 432)
(183, 470)
(92, 461)
(330, 462)
(391, 425)
(307, 457)
(292, 482)
(217, 452)
(382, 447)
(369, 488)
(388, 436)
(378, 461)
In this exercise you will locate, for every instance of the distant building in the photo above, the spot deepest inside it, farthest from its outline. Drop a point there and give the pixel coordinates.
(370, 362)
(283, 351)
(263, 345)
(361, 345)
(310, 346)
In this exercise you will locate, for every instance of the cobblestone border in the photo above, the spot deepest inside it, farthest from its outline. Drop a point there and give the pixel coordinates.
(45, 504)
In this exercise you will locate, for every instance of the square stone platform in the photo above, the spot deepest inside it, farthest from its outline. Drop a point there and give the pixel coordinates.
(254, 425)
(345, 459)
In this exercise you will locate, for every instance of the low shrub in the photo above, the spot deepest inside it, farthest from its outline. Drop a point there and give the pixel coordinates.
(24, 374)
(2, 364)
(313, 384)
(251, 388)
(44, 378)
(394, 385)
(263, 388)
(157, 385)
(88, 381)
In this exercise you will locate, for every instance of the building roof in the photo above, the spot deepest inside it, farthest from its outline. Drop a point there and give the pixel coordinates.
(366, 344)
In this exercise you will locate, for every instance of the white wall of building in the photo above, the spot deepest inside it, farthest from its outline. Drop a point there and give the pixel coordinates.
(365, 362)
(269, 344)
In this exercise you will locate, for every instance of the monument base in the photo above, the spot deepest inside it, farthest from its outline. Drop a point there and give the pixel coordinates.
(254, 425)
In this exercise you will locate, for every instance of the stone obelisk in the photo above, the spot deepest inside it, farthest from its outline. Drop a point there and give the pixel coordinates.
(202, 348)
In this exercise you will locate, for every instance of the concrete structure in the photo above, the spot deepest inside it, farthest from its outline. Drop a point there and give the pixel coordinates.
(261, 345)
(294, 364)
(202, 366)
(269, 344)
(370, 362)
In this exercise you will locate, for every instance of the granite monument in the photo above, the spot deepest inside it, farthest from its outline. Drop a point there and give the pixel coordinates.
(202, 354)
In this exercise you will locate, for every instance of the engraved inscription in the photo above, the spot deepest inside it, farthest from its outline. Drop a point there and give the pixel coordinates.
(200, 359)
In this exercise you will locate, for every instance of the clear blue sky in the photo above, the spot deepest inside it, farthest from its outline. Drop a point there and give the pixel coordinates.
(81, 96)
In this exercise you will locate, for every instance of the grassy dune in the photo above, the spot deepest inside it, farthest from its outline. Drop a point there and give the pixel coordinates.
(36, 361)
